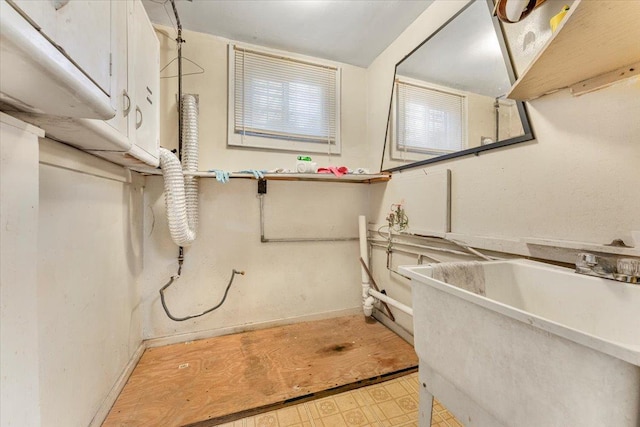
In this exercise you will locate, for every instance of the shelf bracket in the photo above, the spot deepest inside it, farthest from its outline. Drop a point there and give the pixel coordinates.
(606, 79)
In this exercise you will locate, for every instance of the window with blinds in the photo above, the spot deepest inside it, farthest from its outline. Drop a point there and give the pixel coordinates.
(428, 120)
(282, 103)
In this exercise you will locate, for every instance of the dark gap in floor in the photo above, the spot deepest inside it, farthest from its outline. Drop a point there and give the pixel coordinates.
(318, 395)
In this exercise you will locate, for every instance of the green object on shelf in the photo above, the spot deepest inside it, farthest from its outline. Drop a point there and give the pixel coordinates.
(304, 158)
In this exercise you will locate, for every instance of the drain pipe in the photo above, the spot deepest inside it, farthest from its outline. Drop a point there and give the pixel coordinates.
(369, 295)
(367, 300)
(382, 297)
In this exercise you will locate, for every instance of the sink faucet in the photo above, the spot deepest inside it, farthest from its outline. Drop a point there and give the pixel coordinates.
(609, 267)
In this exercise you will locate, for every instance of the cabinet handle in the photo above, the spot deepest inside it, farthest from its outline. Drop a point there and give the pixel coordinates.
(126, 103)
(138, 123)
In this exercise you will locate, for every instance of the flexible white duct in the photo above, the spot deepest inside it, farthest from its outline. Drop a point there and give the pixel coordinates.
(190, 157)
(180, 193)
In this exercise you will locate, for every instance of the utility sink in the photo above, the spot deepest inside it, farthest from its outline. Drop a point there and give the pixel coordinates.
(542, 346)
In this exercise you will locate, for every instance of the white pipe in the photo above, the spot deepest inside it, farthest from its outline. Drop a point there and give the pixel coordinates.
(419, 246)
(369, 295)
(364, 252)
(391, 301)
(367, 305)
(181, 195)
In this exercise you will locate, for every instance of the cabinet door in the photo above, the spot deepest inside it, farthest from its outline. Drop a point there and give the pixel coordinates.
(146, 75)
(80, 29)
(121, 99)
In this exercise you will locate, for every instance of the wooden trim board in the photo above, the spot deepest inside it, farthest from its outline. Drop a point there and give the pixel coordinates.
(117, 388)
(224, 378)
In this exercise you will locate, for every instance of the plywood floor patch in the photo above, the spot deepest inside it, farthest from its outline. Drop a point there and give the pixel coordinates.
(213, 379)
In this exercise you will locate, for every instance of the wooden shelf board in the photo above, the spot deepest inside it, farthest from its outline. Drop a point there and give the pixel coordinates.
(595, 38)
(318, 177)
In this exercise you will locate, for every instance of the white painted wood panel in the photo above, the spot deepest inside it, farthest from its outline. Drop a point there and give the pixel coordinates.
(37, 77)
(89, 260)
(120, 79)
(19, 360)
(81, 29)
(144, 66)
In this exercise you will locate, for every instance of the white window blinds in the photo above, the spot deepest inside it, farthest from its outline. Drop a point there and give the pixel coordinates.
(429, 120)
(283, 98)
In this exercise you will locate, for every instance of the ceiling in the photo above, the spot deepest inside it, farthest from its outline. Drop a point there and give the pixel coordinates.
(350, 31)
(464, 55)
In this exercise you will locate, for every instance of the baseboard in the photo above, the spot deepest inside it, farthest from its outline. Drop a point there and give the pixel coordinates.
(108, 402)
(210, 333)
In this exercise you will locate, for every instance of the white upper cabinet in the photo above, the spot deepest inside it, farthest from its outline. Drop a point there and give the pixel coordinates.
(131, 136)
(56, 57)
(61, 21)
(145, 68)
(121, 84)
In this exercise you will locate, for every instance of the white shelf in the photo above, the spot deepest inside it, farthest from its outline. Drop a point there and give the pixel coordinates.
(318, 177)
(597, 44)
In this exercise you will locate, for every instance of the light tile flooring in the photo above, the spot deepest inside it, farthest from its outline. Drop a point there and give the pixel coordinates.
(387, 404)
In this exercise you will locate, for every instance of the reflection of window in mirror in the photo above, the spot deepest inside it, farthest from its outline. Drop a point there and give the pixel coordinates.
(449, 94)
(428, 120)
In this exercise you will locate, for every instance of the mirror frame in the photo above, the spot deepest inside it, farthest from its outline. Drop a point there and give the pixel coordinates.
(522, 111)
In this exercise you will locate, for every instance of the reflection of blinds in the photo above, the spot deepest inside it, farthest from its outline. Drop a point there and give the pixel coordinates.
(284, 98)
(429, 119)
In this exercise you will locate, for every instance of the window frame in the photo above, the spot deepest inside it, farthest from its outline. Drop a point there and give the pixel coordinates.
(236, 140)
(418, 154)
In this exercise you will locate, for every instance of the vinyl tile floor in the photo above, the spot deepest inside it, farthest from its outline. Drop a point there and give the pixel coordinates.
(388, 404)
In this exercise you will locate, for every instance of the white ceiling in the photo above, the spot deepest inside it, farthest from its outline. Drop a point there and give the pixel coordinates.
(464, 55)
(350, 31)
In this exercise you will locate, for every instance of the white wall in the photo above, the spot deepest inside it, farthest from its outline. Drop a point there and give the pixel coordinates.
(210, 52)
(571, 183)
(77, 267)
(283, 281)
(576, 181)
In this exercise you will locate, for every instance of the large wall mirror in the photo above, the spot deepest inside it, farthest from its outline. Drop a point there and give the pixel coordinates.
(449, 94)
